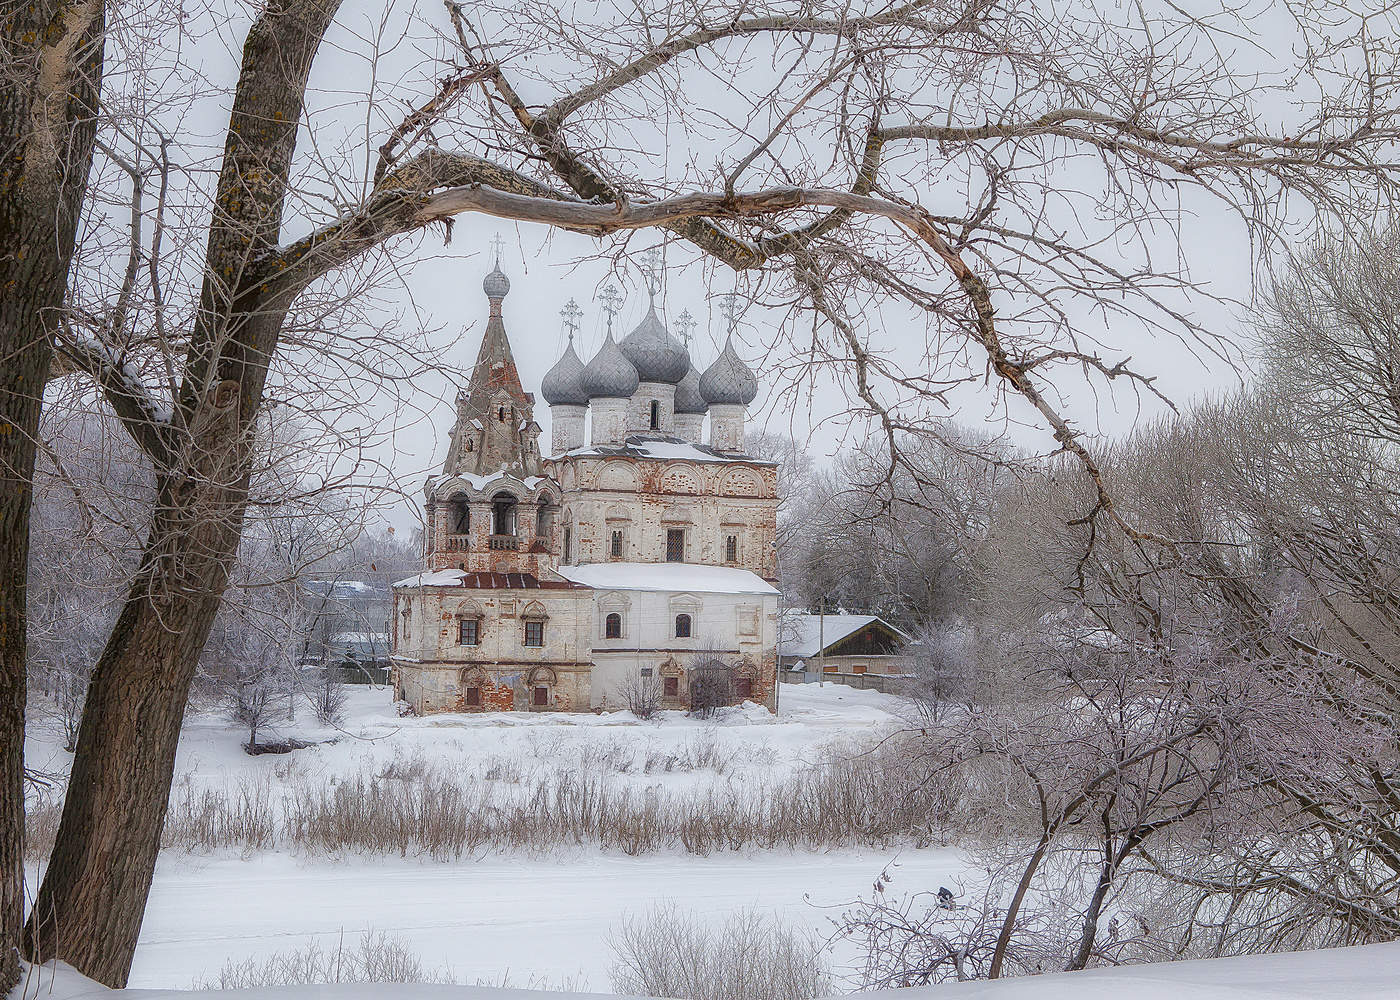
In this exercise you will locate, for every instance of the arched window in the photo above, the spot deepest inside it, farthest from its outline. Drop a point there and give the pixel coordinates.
(461, 516)
(731, 548)
(503, 514)
(655, 414)
(501, 414)
(612, 626)
(471, 446)
(544, 519)
(568, 545)
(682, 626)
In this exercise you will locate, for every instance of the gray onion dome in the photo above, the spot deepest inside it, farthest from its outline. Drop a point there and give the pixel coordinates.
(657, 355)
(729, 380)
(563, 384)
(496, 284)
(609, 374)
(688, 398)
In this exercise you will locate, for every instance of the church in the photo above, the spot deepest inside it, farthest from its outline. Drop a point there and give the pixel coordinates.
(633, 557)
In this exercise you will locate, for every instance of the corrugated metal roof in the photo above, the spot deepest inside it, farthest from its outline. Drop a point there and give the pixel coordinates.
(486, 581)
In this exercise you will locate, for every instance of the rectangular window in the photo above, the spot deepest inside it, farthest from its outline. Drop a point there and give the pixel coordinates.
(616, 545)
(471, 697)
(743, 687)
(568, 545)
(829, 668)
(671, 686)
(541, 697)
(534, 633)
(731, 548)
(859, 668)
(468, 632)
(675, 545)
(646, 671)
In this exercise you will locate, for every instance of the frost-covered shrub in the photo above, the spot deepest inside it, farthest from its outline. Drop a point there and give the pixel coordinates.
(751, 956)
(377, 958)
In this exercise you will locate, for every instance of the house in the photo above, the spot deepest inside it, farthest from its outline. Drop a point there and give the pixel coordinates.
(642, 555)
(348, 619)
(863, 651)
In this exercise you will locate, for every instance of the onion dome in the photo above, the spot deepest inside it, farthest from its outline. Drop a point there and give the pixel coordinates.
(563, 384)
(657, 355)
(609, 374)
(496, 285)
(728, 380)
(688, 398)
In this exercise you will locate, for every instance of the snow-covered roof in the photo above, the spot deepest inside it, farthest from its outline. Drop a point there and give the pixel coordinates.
(803, 635)
(346, 589)
(662, 447)
(671, 577)
(363, 638)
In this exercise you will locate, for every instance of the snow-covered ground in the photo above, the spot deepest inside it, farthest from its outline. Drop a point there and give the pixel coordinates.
(541, 922)
(542, 919)
(1367, 973)
(745, 742)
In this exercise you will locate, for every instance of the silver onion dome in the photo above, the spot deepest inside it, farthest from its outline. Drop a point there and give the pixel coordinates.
(609, 374)
(728, 380)
(563, 384)
(688, 398)
(496, 285)
(657, 355)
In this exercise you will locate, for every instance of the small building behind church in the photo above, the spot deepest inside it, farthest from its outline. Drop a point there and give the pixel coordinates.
(863, 651)
(635, 552)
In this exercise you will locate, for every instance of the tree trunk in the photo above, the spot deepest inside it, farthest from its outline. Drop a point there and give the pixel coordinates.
(88, 910)
(47, 96)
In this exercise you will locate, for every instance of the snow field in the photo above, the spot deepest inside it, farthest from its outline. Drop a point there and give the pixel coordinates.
(527, 912)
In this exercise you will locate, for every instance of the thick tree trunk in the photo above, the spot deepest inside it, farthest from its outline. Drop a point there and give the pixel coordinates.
(48, 85)
(88, 910)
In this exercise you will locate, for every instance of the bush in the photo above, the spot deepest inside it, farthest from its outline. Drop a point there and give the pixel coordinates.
(328, 697)
(751, 956)
(643, 696)
(378, 958)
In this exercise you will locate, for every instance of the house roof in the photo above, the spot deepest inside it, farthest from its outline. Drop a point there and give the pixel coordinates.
(485, 581)
(803, 634)
(347, 589)
(671, 577)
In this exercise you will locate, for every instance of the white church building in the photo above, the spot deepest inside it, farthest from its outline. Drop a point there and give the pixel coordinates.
(636, 553)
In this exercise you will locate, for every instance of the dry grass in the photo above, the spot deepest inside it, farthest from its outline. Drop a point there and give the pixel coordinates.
(41, 816)
(413, 807)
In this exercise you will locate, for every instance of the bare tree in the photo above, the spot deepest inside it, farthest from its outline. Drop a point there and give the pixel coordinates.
(832, 213)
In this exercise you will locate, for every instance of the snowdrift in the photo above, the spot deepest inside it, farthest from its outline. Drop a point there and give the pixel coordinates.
(1371, 972)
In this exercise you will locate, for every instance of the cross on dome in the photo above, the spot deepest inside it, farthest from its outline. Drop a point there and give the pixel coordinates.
(499, 244)
(652, 270)
(685, 326)
(571, 314)
(729, 305)
(612, 302)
